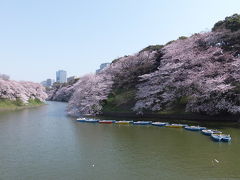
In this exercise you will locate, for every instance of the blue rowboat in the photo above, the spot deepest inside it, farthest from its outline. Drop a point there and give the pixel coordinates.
(81, 119)
(208, 132)
(226, 138)
(202, 128)
(91, 121)
(142, 122)
(194, 128)
(221, 137)
(159, 124)
(216, 137)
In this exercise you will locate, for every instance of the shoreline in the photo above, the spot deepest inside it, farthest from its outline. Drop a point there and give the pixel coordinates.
(176, 117)
(172, 117)
(5, 109)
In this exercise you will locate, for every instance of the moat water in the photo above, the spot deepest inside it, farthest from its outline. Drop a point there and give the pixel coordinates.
(44, 143)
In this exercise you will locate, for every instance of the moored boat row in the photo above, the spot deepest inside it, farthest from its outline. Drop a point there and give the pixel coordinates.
(215, 134)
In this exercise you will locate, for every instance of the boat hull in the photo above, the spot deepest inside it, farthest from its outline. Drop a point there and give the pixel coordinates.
(123, 122)
(142, 123)
(106, 122)
(206, 133)
(210, 132)
(82, 120)
(226, 139)
(192, 129)
(92, 121)
(216, 139)
(159, 124)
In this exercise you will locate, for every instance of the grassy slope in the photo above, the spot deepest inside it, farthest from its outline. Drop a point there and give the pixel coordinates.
(6, 104)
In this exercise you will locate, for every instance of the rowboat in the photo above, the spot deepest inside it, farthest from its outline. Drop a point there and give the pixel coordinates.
(216, 137)
(201, 128)
(106, 121)
(194, 128)
(221, 137)
(226, 138)
(81, 119)
(123, 122)
(159, 124)
(208, 132)
(142, 122)
(91, 121)
(175, 125)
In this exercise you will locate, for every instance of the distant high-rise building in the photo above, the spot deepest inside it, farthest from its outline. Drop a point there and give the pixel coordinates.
(49, 82)
(44, 83)
(71, 78)
(102, 66)
(61, 76)
(4, 77)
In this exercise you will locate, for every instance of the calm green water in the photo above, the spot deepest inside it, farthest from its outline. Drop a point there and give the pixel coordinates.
(43, 143)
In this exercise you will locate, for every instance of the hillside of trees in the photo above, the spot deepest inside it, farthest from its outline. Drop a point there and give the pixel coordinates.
(197, 74)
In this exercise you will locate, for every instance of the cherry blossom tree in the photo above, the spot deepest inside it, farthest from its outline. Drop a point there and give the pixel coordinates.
(196, 68)
(91, 91)
(126, 70)
(62, 93)
(23, 90)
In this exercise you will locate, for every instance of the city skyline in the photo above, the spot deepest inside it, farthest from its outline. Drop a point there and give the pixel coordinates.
(50, 81)
(78, 35)
(60, 77)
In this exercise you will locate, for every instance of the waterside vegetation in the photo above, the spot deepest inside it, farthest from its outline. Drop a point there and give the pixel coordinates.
(20, 94)
(6, 104)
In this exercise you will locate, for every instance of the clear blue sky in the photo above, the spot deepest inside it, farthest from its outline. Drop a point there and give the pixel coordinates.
(39, 37)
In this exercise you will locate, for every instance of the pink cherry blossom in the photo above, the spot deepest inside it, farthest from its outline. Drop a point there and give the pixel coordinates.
(196, 68)
(23, 90)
